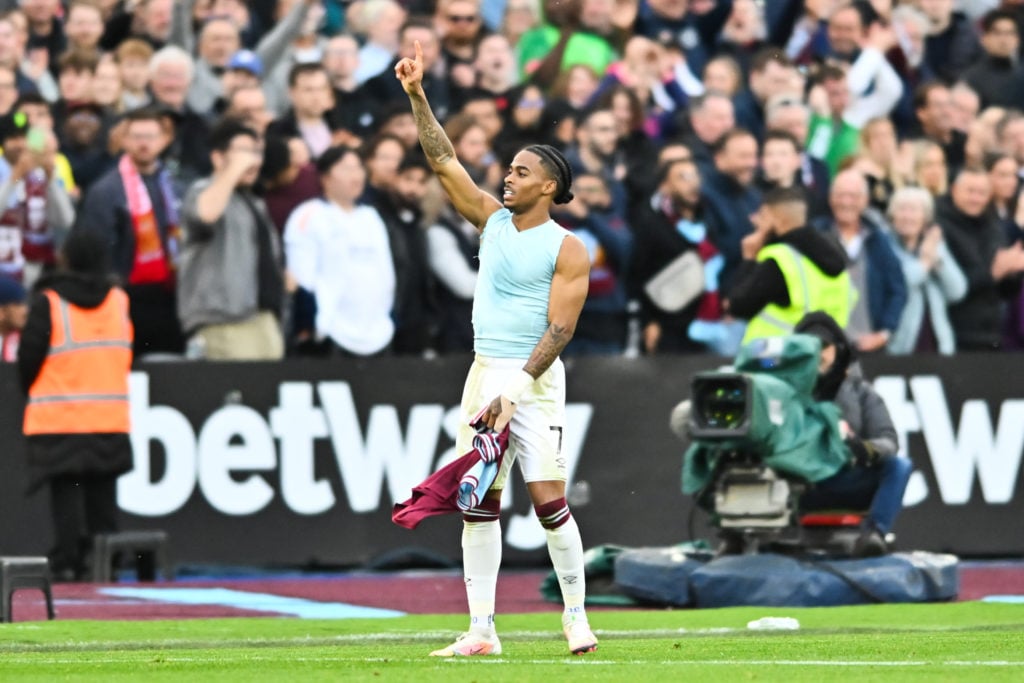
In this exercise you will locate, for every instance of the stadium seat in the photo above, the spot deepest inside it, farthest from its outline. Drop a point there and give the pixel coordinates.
(831, 531)
(835, 518)
(23, 572)
(107, 546)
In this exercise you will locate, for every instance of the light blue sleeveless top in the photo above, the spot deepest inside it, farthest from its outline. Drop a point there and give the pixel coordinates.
(510, 305)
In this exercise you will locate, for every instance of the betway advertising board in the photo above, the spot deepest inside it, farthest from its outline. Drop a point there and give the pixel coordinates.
(299, 463)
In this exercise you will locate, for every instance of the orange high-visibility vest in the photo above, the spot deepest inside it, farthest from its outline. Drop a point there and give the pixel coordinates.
(82, 387)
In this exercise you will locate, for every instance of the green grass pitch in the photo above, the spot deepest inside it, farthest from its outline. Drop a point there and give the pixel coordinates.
(939, 642)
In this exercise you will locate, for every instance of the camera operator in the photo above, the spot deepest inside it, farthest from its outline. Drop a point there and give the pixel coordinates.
(877, 477)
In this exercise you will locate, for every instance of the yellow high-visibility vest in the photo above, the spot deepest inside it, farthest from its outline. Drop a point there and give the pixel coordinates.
(809, 290)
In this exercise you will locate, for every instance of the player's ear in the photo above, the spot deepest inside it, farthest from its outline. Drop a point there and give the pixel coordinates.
(550, 187)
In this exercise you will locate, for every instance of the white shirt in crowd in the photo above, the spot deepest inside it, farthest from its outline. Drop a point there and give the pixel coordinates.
(344, 258)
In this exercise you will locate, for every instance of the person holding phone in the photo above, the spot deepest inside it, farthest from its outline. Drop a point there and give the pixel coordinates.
(36, 212)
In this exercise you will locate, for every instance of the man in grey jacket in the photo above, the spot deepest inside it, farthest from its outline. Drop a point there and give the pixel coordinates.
(877, 476)
(230, 278)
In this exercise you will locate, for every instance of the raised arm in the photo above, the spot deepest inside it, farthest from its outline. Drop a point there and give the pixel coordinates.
(212, 202)
(473, 203)
(181, 26)
(273, 46)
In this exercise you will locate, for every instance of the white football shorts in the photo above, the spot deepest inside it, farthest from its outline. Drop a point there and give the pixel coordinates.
(536, 430)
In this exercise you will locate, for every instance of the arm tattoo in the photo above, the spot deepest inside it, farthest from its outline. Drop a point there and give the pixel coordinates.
(550, 345)
(435, 143)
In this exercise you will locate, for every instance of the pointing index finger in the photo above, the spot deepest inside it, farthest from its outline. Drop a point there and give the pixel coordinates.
(419, 51)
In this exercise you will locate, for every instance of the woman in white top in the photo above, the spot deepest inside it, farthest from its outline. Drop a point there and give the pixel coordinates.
(338, 250)
(934, 279)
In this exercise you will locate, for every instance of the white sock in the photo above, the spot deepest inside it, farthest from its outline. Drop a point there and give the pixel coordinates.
(481, 558)
(566, 549)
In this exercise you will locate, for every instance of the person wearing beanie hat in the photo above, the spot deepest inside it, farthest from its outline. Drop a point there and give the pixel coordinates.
(13, 312)
(877, 475)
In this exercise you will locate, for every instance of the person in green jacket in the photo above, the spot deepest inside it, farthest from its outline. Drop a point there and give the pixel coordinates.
(851, 92)
(832, 138)
(580, 37)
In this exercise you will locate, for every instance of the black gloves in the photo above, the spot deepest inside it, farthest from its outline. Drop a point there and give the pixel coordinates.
(864, 454)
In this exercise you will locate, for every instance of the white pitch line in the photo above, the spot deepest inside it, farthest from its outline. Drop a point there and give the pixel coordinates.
(387, 636)
(588, 661)
(552, 634)
(24, 653)
(164, 658)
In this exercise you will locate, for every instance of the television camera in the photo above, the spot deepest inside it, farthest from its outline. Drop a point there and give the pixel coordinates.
(758, 440)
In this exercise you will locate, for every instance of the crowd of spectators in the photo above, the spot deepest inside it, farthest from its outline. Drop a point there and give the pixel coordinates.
(255, 170)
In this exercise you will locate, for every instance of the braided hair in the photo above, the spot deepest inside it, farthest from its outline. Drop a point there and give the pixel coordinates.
(557, 166)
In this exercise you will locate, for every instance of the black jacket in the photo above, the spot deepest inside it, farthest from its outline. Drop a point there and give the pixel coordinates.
(950, 52)
(455, 312)
(998, 82)
(355, 112)
(656, 243)
(288, 125)
(731, 206)
(973, 242)
(50, 455)
(816, 192)
(415, 311)
(188, 155)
